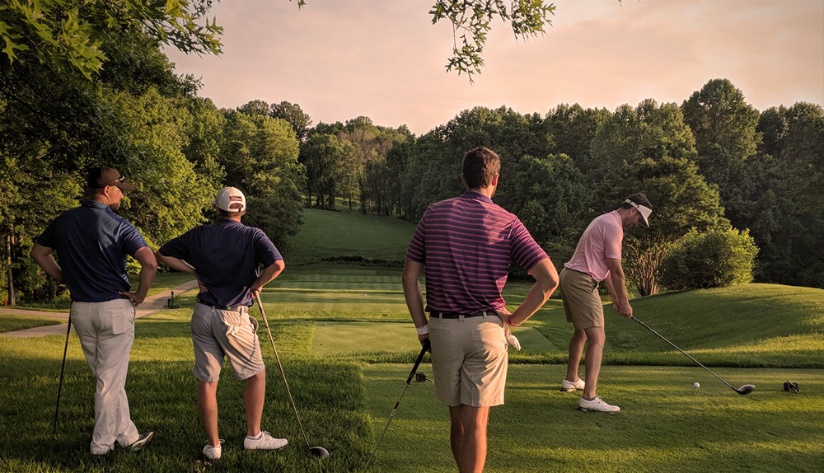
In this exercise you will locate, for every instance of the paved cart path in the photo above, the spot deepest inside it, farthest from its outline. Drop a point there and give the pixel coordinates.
(151, 305)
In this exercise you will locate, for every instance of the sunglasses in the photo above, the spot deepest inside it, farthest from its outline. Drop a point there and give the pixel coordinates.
(119, 180)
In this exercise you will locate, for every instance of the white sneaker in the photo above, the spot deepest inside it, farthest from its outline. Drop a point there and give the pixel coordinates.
(213, 452)
(264, 442)
(569, 386)
(597, 405)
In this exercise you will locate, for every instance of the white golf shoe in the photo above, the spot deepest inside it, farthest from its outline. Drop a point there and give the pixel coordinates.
(597, 405)
(569, 386)
(213, 452)
(264, 441)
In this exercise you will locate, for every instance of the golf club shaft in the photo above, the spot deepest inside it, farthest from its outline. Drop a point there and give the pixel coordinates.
(282, 373)
(424, 349)
(685, 353)
(62, 368)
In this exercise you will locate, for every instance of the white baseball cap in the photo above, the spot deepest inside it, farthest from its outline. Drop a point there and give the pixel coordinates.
(230, 199)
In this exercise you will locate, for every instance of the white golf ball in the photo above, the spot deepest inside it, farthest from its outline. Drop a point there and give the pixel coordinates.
(696, 385)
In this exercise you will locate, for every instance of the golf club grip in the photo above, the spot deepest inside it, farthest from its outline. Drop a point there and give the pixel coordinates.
(424, 349)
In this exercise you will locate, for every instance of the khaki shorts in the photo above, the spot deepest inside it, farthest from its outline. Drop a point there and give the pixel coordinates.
(225, 333)
(582, 303)
(469, 360)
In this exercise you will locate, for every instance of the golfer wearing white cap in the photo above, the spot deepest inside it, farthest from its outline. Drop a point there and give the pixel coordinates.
(225, 257)
(597, 258)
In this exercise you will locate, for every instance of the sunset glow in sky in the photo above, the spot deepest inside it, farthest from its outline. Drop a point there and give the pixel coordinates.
(340, 59)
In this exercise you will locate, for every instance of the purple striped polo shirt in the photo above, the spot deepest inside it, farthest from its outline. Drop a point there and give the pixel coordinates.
(466, 245)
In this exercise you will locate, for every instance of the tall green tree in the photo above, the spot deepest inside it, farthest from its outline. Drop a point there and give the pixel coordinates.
(326, 159)
(56, 121)
(724, 126)
(260, 156)
(650, 149)
(551, 197)
(72, 36)
(785, 205)
(570, 131)
(294, 115)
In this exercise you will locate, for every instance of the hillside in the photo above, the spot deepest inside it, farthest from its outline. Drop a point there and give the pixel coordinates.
(326, 235)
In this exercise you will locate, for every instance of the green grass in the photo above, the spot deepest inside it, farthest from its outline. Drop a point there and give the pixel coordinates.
(13, 322)
(347, 344)
(329, 235)
(163, 282)
(665, 424)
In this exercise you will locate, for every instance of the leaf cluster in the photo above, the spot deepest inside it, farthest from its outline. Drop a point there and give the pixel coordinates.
(472, 21)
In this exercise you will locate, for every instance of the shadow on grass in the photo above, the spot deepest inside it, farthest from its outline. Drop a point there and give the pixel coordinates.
(162, 395)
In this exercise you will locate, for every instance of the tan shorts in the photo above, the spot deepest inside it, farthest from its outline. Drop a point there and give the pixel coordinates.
(225, 333)
(469, 360)
(582, 303)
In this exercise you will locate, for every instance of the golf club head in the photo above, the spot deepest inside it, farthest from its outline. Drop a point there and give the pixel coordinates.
(318, 452)
(745, 389)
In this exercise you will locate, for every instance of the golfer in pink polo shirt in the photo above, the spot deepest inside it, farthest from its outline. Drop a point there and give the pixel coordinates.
(597, 258)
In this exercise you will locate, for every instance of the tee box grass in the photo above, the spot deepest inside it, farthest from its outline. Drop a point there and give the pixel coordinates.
(347, 346)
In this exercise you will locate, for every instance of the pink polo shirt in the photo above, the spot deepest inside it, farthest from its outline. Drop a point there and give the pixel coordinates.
(601, 240)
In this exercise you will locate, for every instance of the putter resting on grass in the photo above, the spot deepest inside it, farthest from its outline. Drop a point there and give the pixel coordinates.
(319, 452)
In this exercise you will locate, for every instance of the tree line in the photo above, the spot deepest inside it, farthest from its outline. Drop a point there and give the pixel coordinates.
(727, 181)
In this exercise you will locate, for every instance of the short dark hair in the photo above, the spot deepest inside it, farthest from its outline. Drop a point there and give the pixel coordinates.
(223, 214)
(480, 165)
(639, 198)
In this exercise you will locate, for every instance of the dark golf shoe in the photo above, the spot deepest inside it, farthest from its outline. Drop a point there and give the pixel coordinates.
(141, 442)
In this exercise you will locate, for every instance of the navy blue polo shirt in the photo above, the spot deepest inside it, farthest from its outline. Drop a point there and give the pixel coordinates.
(92, 242)
(225, 255)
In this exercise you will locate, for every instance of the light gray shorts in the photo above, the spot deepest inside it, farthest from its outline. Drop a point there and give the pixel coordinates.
(469, 360)
(582, 303)
(220, 333)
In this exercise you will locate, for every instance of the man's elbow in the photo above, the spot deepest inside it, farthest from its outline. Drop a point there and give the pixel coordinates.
(547, 277)
(150, 264)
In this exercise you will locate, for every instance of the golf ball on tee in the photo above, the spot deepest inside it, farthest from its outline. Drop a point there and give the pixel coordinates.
(696, 385)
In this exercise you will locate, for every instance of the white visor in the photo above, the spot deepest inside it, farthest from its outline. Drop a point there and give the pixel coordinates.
(642, 209)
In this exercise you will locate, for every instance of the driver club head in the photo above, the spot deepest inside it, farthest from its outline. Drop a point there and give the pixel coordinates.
(745, 389)
(318, 452)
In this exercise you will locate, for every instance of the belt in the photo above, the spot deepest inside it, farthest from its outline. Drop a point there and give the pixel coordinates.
(237, 308)
(455, 315)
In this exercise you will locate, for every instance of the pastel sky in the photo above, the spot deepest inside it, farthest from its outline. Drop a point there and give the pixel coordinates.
(340, 59)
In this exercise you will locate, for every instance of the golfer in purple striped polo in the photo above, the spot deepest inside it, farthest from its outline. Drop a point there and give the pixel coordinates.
(466, 246)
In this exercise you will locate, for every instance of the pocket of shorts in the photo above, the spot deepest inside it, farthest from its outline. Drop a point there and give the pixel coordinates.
(121, 318)
(254, 323)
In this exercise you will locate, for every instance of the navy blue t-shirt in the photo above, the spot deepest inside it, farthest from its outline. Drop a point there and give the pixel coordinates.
(225, 255)
(92, 242)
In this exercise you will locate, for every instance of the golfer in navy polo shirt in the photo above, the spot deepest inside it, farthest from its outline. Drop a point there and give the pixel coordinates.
(92, 243)
(225, 256)
(466, 245)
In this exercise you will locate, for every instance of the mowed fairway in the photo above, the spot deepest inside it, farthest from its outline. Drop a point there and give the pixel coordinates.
(347, 346)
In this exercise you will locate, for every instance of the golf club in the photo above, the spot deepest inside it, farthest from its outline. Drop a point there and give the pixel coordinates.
(424, 349)
(319, 452)
(60, 386)
(745, 389)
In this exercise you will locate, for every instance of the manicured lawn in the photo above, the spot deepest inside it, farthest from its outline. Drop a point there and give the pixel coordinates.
(328, 235)
(12, 322)
(347, 345)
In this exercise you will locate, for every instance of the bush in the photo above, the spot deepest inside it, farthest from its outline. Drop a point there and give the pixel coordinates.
(716, 258)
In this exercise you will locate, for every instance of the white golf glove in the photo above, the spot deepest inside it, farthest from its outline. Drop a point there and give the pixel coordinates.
(512, 341)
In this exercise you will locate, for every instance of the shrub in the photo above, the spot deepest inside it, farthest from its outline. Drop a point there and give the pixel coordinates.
(716, 258)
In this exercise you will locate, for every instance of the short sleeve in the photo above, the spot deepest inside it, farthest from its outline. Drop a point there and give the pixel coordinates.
(525, 251)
